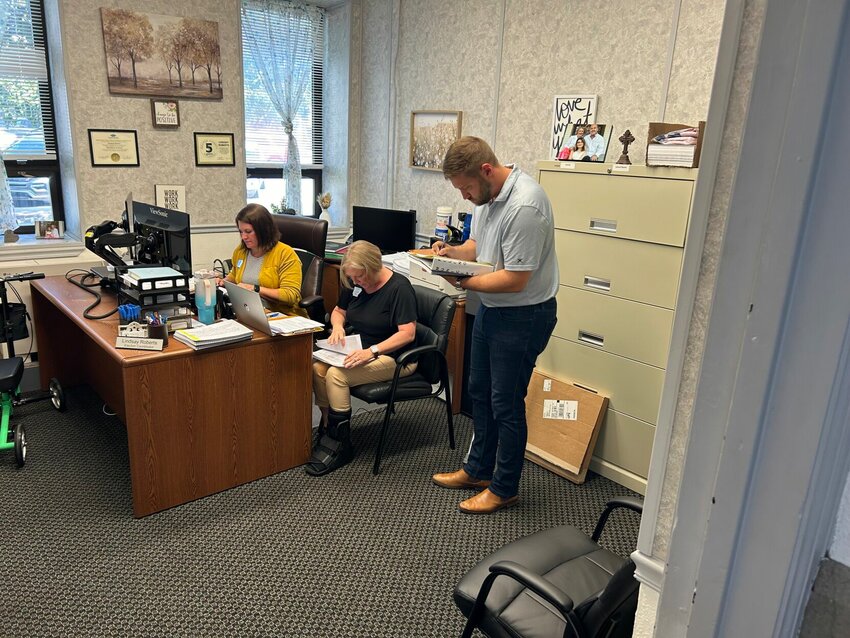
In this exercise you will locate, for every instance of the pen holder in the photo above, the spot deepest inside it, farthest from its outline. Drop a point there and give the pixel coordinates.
(159, 332)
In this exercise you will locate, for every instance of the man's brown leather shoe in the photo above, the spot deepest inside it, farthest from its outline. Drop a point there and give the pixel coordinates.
(485, 502)
(458, 480)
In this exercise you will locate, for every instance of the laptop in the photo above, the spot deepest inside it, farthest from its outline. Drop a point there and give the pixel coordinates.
(248, 308)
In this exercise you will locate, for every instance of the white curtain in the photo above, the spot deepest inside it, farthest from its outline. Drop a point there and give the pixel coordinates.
(8, 220)
(277, 35)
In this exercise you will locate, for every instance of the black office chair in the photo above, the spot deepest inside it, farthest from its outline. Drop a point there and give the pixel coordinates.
(435, 313)
(556, 582)
(307, 236)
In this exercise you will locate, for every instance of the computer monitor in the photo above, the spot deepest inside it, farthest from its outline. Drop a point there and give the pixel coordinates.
(165, 236)
(392, 231)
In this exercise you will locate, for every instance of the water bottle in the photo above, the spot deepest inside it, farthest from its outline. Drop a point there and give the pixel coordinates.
(205, 296)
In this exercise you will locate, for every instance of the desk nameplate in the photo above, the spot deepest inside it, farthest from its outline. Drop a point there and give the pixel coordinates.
(138, 343)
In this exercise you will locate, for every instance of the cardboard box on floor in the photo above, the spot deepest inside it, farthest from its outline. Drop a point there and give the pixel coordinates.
(563, 425)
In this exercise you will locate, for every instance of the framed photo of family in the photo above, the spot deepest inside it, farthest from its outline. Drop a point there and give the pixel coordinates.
(49, 229)
(585, 143)
(431, 135)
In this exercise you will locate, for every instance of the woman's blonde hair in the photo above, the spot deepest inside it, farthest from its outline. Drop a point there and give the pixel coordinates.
(361, 255)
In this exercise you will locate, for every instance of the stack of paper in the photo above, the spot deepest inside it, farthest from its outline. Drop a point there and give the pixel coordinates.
(216, 334)
(437, 265)
(335, 355)
(670, 155)
(397, 262)
(294, 325)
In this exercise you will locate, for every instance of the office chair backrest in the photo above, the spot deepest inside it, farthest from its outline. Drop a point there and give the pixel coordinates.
(612, 613)
(305, 233)
(435, 312)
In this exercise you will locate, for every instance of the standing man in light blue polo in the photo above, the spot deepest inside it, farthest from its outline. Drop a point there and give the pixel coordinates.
(512, 228)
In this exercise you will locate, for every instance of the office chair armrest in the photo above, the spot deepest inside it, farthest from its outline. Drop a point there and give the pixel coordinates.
(413, 354)
(308, 301)
(539, 585)
(629, 502)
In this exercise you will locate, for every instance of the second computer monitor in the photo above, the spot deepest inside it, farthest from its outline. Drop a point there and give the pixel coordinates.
(392, 231)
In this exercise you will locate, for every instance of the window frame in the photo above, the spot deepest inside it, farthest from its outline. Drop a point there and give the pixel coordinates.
(42, 167)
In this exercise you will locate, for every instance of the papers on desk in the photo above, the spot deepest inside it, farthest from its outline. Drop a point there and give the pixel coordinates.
(293, 325)
(398, 262)
(216, 334)
(334, 355)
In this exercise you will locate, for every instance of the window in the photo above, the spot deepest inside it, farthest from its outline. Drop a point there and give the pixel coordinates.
(27, 131)
(265, 139)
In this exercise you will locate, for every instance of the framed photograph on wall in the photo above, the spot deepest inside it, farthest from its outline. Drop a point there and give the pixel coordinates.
(113, 147)
(171, 196)
(214, 149)
(165, 113)
(431, 135)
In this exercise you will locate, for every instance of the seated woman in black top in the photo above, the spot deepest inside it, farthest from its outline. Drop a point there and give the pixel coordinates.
(380, 306)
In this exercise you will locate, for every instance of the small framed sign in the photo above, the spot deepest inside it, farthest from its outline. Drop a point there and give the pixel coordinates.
(113, 147)
(214, 149)
(171, 196)
(165, 114)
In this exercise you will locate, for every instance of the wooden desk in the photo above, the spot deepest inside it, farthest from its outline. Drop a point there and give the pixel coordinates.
(457, 332)
(197, 422)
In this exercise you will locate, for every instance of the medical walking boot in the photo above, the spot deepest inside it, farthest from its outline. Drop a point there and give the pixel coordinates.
(334, 449)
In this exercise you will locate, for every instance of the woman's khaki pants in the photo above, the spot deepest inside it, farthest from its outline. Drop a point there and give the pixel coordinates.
(332, 385)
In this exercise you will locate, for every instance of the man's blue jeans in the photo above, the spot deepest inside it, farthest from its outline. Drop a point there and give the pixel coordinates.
(505, 345)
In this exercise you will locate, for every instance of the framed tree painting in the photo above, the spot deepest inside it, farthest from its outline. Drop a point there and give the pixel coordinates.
(431, 135)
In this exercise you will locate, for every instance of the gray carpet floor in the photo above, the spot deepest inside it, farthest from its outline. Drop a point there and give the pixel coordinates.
(350, 554)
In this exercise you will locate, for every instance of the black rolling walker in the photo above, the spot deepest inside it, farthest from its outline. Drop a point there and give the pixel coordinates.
(12, 369)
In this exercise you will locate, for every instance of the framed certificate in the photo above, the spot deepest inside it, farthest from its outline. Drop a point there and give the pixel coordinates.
(214, 149)
(112, 147)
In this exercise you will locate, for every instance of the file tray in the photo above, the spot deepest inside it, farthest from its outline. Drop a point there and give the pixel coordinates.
(153, 299)
(563, 424)
(154, 278)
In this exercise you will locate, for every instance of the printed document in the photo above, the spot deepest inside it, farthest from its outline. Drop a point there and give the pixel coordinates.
(335, 355)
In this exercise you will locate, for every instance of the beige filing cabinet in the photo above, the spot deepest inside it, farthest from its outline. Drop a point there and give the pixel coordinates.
(620, 235)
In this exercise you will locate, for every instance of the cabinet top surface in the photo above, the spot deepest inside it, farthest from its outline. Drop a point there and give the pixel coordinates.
(624, 170)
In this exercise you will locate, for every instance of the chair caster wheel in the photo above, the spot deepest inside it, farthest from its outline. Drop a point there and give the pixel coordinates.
(57, 395)
(20, 445)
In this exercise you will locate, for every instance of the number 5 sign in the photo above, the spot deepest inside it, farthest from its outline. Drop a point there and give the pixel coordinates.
(214, 149)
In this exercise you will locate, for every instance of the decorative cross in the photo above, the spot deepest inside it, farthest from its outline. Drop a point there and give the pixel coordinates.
(626, 139)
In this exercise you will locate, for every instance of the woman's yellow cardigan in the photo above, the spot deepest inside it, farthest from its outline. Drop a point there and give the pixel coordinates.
(281, 269)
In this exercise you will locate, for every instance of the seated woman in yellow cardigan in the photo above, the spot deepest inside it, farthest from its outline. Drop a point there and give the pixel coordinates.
(262, 263)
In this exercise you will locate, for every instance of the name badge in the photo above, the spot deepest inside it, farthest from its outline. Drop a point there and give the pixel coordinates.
(356, 292)
(239, 264)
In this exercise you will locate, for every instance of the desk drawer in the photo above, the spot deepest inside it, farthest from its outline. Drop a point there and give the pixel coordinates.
(628, 269)
(633, 388)
(647, 209)
(630, 329)
(625, 442)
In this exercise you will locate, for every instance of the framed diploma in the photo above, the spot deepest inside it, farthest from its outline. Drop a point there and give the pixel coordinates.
(112, 147)
(214, 149)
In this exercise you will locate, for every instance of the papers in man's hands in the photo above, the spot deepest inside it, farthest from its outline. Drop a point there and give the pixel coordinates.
(443, 266)
(216, 334)
(334, 355)
(293, 325)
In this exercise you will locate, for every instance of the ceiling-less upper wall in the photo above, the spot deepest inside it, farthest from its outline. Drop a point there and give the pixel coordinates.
(502, 62)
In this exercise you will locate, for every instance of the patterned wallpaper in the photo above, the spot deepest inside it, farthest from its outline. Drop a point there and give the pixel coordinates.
(455, 55)
(213, 194)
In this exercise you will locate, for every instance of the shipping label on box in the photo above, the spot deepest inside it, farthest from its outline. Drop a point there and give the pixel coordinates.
(558, 409)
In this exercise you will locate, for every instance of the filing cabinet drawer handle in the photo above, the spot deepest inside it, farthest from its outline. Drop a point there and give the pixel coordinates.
(608, 225)
(597, 282)
(592, 339)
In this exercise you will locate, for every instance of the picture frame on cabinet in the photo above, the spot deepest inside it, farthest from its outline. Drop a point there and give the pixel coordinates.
(567, 111)
(586, 143)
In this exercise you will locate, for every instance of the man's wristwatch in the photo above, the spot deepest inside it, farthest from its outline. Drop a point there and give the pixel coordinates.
(256, 287)
(375, 352)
